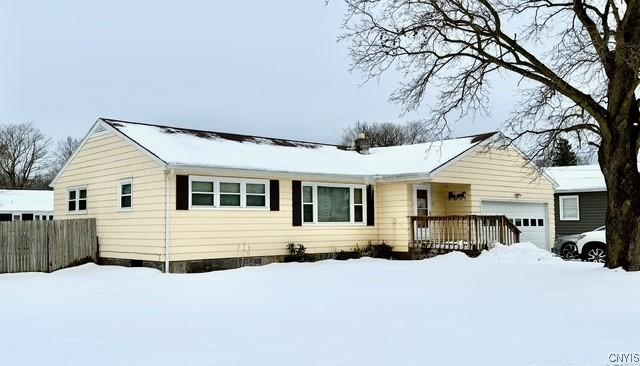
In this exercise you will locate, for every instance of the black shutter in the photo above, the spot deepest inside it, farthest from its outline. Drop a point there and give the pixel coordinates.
(274, 195)
(371, 208)
(182, 192)
(296, 189)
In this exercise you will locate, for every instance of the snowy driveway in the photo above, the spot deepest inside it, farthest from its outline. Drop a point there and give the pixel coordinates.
(512, 306)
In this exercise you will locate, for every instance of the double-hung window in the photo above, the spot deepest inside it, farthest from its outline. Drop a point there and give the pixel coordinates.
(307, 204)
(125, 195)
(228, 193)
(569, 208)
(333, 203)
(203, 192)
(77, 200)
(256, 194)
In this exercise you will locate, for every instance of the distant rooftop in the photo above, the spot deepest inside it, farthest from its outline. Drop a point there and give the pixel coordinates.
(580, 178)
(13, 200)
(187, 147)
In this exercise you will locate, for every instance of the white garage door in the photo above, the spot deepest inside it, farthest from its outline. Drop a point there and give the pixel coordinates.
(530, 218)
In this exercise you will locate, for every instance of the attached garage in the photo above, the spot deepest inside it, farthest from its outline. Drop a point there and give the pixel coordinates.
(530, 218)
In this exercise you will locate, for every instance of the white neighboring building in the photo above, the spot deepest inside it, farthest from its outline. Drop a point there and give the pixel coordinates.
(26, 205)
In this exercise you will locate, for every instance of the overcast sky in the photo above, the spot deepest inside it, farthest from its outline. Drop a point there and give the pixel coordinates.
(258, 67)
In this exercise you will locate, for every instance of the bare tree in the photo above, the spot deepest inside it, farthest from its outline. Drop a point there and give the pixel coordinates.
(577, 59)
(23, 155)
(387, 133)
(64, 149)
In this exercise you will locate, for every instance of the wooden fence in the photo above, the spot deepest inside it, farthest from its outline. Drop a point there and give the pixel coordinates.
(46, 246)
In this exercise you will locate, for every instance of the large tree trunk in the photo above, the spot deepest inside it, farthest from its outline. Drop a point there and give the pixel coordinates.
(618, 161)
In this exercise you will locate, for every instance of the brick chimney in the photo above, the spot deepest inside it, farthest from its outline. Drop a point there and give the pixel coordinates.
(362, 144)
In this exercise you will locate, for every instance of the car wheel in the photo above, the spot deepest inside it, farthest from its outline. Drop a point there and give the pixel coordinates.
(569, 251)
(596, 254)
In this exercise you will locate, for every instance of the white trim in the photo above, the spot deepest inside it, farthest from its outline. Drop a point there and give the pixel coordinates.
(97, 131)
(119, 198)
(415, 189)
(167, 221)
(77, 190)
(243, 195)
(351, 222)
(268, 174)
(581, 190)
(135, 144)
(101, 123)
(561, 204)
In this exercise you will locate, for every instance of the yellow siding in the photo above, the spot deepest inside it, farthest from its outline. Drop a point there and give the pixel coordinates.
(204, 234)
(394, 205)
(102, 163)
(440, 204)
(498, 175)
(107, 159)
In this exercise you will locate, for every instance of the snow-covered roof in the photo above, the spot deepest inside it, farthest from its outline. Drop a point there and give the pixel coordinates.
(25, 200)
(580, 178)
(196, 148)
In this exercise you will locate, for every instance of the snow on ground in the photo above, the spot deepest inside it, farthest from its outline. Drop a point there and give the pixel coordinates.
(511, 306)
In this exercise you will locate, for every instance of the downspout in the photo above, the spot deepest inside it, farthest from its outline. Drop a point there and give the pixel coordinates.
(167, 220)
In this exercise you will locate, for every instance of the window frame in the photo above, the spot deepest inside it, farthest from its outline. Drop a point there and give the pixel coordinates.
(120, 194)
(561, 214)
(216, 193)
(77, 190)
(351, 222)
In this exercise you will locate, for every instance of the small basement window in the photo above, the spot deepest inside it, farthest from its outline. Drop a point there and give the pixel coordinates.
(77, 200)
(126, 194)
(569, 208)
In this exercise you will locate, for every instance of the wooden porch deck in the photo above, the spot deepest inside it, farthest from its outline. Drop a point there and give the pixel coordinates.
(462, 232)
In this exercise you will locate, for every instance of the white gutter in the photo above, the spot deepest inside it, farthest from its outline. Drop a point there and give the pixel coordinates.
(167, 220)
(580, 190)
(255, 173)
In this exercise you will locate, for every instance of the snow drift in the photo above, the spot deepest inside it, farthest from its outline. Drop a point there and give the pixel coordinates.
(512, 305)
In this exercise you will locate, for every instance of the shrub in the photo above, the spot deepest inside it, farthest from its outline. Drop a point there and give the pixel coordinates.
(381, 250)
(297, 253)
(343, 255)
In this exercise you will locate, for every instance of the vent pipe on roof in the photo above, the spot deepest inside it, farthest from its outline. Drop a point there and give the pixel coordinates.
(362, 144)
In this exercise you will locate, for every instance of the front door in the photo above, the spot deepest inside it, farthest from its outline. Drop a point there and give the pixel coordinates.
(422, 202)
(422, 207)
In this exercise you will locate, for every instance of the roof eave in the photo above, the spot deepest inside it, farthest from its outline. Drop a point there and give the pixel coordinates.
(264, 173)
(582, 190)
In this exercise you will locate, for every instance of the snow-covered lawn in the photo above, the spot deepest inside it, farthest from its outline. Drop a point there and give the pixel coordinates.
(511, 306)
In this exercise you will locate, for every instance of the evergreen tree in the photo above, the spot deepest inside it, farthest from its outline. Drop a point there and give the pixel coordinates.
(562, 154)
